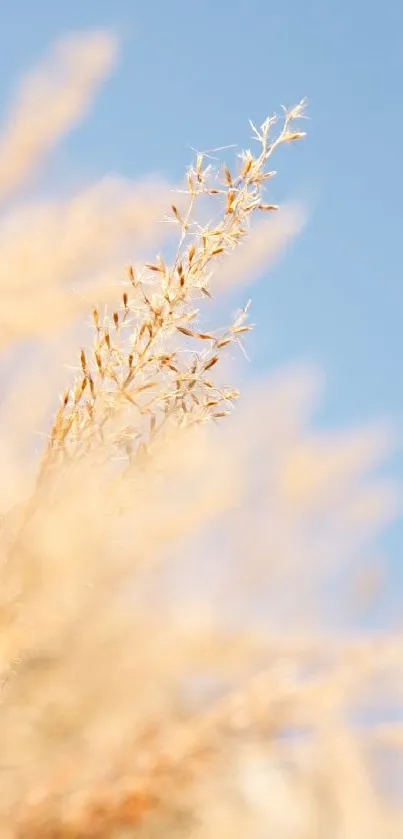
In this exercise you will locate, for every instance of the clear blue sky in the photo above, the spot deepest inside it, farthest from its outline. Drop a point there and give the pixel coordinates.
(192, 74)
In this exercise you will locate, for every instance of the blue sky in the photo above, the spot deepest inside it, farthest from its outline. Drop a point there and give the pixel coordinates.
(192, 74)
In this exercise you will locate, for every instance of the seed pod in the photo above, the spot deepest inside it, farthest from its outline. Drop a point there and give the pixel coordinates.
(199, 162)
(156, 268)
(228, 176)
(238, 329)
(176, 214)
(268, 207)
(188, 332)
(230, 200)
(247, 167)
(295, 135)
(210, 363)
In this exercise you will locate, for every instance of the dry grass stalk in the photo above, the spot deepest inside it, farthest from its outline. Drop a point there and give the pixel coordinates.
(137, 379)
